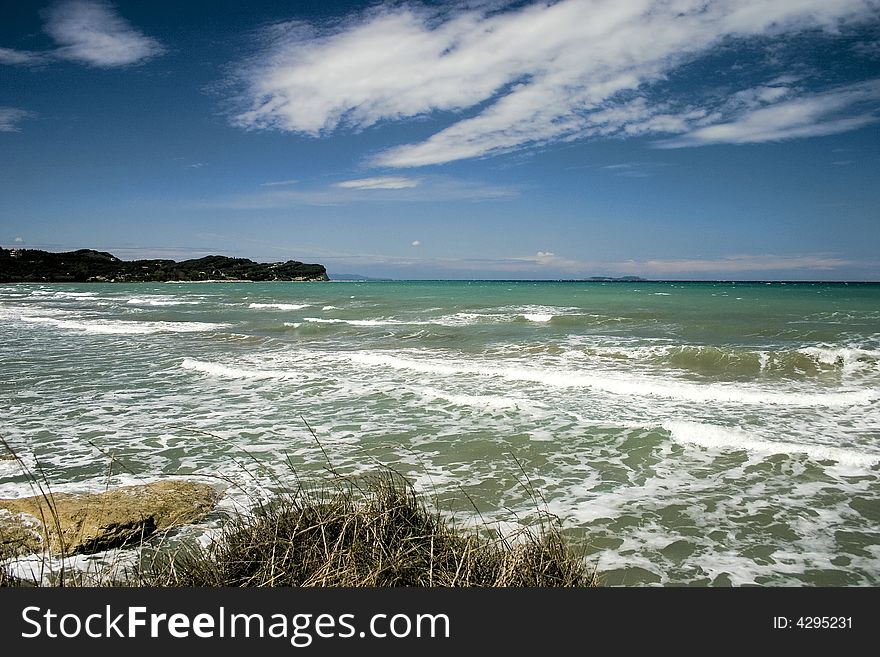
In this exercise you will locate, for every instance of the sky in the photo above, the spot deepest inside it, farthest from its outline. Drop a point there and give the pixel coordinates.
(674, 139)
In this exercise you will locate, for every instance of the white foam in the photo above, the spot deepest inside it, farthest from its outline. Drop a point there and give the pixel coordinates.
(355, 322)
(229, 372)
(293, 324)
(538, 318)
(482, 402)
(14, 467)
(160, 301)
(329, 308)
(121, 327)
(469, 319)
(73, 295)
(717, 437)
(631, 386)
(540, 310)
(851, 358)
(280, 306)
(25, 313)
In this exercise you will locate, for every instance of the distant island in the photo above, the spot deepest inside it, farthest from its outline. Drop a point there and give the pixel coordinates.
(355, 278)
(89, 266)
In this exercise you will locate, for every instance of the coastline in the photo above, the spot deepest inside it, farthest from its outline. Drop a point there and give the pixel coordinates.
(90, 266)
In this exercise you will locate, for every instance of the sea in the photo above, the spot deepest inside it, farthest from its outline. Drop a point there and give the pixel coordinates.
(680, 433)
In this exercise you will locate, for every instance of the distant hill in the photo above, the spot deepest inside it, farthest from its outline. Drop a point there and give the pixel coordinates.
(87, 265)
(354, 277)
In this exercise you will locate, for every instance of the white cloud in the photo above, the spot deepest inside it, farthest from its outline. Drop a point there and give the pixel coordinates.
(809, 116)
(384, 182)
(18, 240)
(416, 243)
(548, 264)
(91, 32)
(279, 183)
(535, 74)
(12, 57)
(752, 266)
(632, 169)
(732, 264)
(10, 117)
(427, 189)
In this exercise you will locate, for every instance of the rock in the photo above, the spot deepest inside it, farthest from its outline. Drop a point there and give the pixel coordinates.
(18, 534)
(72, 523)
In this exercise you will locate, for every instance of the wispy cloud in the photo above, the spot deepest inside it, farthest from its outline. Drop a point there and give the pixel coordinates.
(385, 182)
(514, 267)
(546, 264)
(734, 264)
(550, 262)
(279, 183)
(631, 169)
(529, 266)
(11, 57)
(91, 32)
(429, 189)
(535, 74)
(808, 116)
(10, 117)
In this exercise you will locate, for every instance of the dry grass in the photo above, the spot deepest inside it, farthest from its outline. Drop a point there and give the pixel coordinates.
(377, 533)
(373, 531)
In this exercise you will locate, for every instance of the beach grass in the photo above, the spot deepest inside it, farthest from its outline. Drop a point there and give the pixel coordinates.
(371, 530)
(374, 531)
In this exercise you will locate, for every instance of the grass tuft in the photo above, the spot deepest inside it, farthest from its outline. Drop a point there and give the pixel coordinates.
(374, 532)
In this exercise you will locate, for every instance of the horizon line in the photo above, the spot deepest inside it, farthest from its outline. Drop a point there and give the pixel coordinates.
(627, 278)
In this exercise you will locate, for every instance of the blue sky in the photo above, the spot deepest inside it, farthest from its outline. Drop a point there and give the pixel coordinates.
(685, 139)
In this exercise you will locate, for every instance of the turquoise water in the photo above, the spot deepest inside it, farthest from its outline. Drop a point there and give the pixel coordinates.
(687, 433)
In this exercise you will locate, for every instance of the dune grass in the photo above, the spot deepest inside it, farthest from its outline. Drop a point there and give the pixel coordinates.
(375, 532)
(367, 531)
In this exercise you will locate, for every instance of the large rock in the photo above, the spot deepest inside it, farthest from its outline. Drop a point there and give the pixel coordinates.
(71, 523)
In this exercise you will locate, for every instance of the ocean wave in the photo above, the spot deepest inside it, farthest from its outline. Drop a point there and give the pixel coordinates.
(280, 306)
(718, 437)
(160, 301)
(464, 319)
(737, 362)
(232, 372)
(25, 312)
(640, 386)
(480, 402)
(121, 327)
(64, 294)
(849, 358)
(357, 322)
